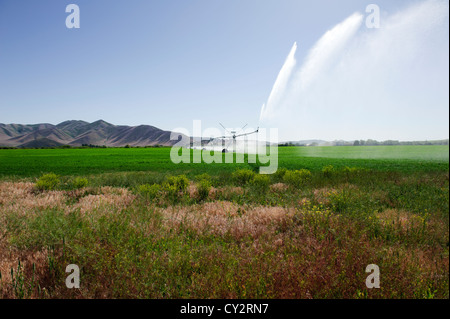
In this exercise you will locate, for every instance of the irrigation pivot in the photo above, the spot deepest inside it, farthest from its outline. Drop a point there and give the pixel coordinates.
(233, 135)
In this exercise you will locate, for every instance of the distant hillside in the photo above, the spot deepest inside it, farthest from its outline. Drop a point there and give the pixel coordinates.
(361, 143)
(42, 142)
(77, 133)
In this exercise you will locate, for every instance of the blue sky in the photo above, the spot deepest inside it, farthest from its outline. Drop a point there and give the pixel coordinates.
(165, 63)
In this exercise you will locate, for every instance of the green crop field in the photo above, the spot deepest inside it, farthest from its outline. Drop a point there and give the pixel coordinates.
(412, 152)
(32, 163)
(140, 226)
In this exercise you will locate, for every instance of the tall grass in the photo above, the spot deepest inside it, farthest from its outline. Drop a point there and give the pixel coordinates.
(238, 235)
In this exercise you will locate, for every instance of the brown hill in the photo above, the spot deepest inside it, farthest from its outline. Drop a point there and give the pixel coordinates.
(77, 133)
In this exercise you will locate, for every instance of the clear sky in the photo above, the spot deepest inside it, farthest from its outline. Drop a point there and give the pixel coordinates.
(167, 63)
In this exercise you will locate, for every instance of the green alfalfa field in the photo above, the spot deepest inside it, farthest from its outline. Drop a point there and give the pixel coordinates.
(139, 226)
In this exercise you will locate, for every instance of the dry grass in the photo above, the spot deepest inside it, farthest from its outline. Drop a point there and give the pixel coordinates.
(286, 243)
(33, 265)
(8, 260)
(216, 193)
(109, 199)
(22, 197)
(224, 217)
(278, 187)
(400, 219)
(321, 195)
(225, 192)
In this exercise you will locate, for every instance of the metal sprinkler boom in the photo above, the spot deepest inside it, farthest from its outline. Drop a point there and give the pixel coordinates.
(233, 135)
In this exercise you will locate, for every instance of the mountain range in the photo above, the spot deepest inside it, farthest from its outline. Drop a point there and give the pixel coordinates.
(78, 133)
